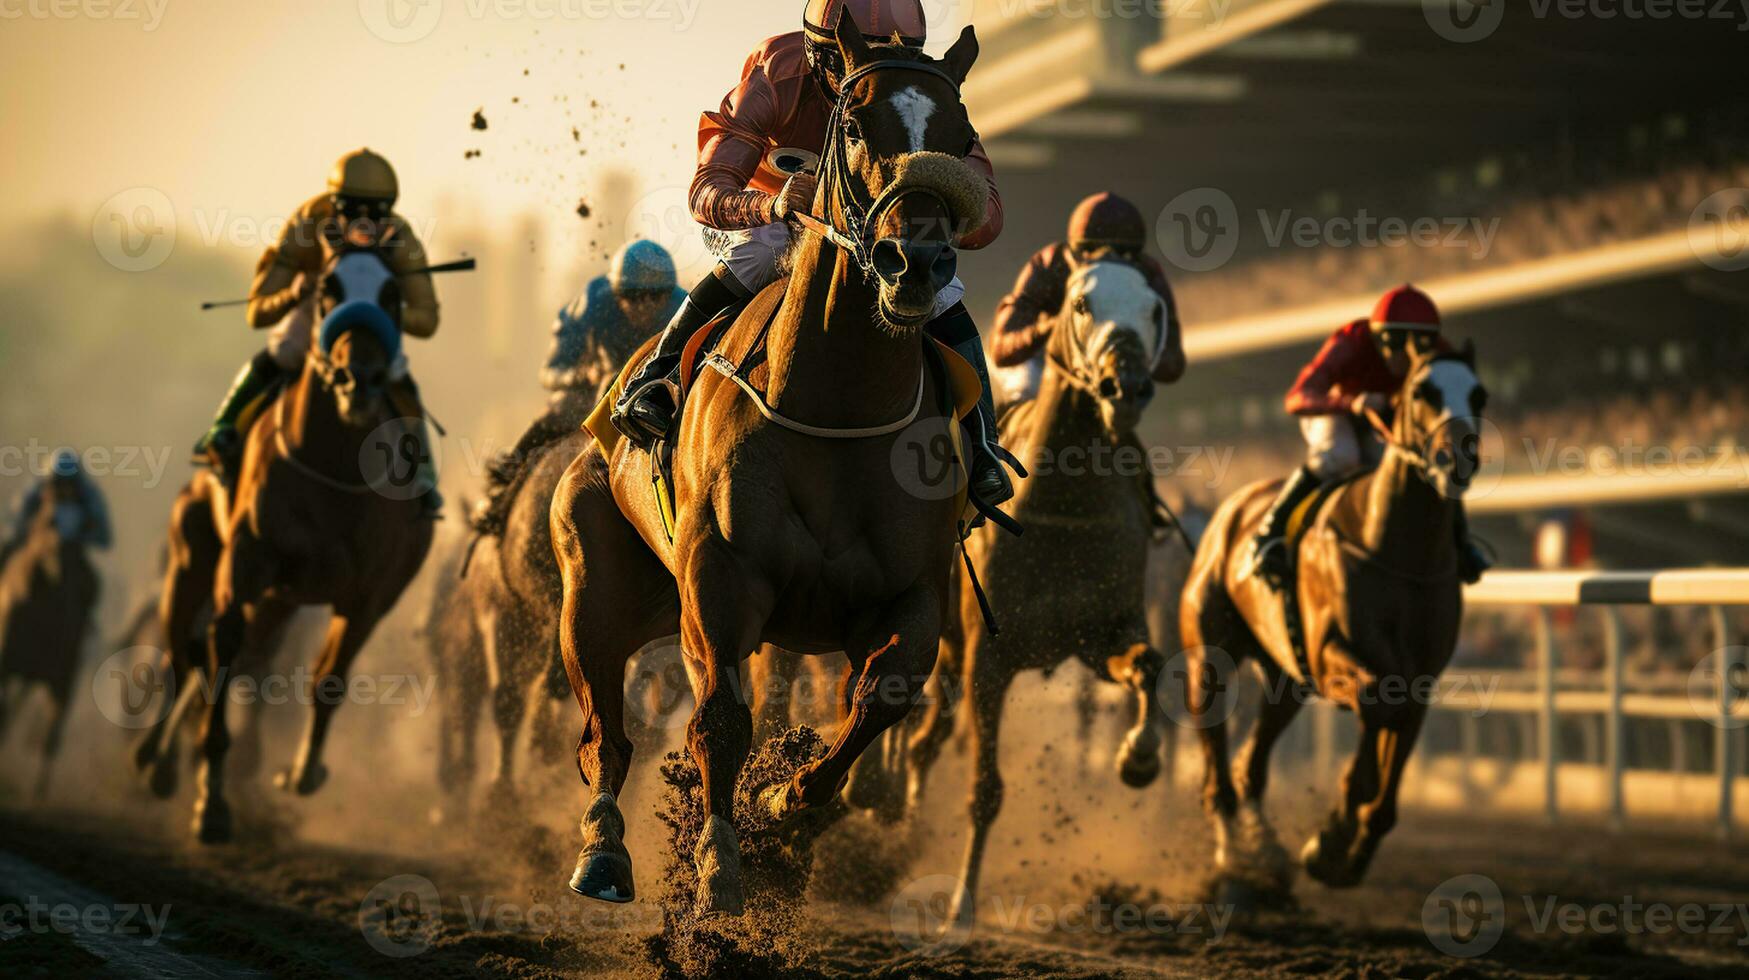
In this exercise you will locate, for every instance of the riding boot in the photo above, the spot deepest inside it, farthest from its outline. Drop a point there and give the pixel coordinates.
(404, 395)
(1269, 548)
(1472, 560)
(645, 409)
(223, 443)
(990, 482)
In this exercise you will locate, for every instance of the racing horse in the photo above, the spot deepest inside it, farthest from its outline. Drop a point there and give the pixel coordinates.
(48, 589)
(790, 524)
(316, 518)
(1377, 601)
(1074, 585)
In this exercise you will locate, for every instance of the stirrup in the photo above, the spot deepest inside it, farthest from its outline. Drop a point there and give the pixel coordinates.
(642, 422)
(1260, 562)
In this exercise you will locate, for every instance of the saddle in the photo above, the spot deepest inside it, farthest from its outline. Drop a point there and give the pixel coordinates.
(742, 357)
(1299, 524)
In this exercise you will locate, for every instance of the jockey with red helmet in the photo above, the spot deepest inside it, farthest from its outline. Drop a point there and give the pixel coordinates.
(1103, 228)
(756, 161)
(1355, 373)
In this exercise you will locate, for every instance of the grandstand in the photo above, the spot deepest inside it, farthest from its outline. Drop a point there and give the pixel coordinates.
(1584, 226)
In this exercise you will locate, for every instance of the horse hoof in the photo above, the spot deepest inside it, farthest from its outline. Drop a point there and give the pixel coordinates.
(302, 782)
(604, 876)
(1330, 872)
(162, 780)
(779, 801)
(963, 913)
(1138, 762)
(212, 821)
(717, 859)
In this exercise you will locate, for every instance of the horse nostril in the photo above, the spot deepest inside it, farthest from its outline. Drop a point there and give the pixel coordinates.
(890, 260)
(1109, 389)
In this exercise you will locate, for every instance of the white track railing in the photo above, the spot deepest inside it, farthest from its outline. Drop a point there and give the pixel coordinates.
(1543, 591)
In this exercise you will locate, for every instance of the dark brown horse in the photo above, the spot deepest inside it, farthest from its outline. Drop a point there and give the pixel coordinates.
(791, 525)
(1072, 587)
(48, 590)
(313, 521)
(1378, 593)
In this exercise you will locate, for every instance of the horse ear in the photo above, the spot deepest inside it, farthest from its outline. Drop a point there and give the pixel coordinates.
(851, 44)
(959, 59)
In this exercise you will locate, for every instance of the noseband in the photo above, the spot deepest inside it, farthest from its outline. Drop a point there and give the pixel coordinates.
(860, 214)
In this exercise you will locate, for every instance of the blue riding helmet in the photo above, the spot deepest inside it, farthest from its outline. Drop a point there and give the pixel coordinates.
(642, 265)
(65, 464)
(359, 314)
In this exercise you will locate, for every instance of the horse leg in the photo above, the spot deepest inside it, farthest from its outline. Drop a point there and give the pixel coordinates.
(58, 705)
(509, 698)
(1339, 855)
(771, 678)
(1207, 616)
(1276, 710)
(715, 636)
(940, 698)
(212, 814)
(267, 629)
(463, 657)
(987, 683)
(347, 632)
(1138, 668)
(617, 598)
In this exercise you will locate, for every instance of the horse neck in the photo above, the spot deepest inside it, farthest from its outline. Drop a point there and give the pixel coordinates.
(1409, 524)
(831, 363)
(313, 430)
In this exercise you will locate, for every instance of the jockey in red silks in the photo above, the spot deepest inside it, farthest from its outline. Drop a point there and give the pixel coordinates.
(756, 161)
(1355, 373)
(1103, 228)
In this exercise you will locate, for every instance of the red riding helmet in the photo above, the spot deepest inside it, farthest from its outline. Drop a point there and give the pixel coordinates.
(1106, 219)
(1406, 309)
(879, 20)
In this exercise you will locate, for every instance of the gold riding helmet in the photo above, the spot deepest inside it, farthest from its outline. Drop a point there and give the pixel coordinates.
(363, 184)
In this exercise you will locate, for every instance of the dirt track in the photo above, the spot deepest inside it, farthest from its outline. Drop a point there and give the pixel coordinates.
(292, 908)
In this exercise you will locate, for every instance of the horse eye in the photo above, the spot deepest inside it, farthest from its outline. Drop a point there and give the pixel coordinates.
(1081, 305)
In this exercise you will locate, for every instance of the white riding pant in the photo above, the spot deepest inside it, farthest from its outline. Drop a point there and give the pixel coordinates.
(289, 341)
(753, 256)
(1337, 445)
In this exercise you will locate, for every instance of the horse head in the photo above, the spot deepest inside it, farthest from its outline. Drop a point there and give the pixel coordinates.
(358, 347)
(1106, 338)
(1440, 412)
(898, 192)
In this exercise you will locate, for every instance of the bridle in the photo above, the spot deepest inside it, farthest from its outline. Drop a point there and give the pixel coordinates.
(860, 214)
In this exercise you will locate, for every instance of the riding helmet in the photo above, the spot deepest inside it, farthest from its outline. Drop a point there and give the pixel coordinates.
(363, 175)
(880, 21)
(1106, 219)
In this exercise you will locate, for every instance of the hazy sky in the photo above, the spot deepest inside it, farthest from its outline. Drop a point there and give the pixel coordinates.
(234, 109)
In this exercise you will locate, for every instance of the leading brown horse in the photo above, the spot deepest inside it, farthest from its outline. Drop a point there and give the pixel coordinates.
(48, 590)
(312, 521)
(1378, 594)
(791, 524)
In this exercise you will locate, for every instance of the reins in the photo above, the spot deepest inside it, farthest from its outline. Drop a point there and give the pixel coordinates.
(290, 456)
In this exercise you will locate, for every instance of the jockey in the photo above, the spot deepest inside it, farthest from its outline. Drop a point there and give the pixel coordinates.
(593, 335)
(355, 212)
(80, 511)
(1355, 373)
(755, 157)
(1103, 228)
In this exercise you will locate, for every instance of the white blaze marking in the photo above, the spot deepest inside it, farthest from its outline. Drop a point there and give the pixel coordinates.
(1456, 383)
(914, 109)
